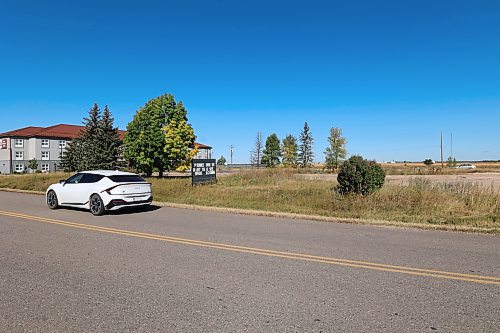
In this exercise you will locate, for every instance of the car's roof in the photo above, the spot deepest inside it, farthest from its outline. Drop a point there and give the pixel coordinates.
(107, 173)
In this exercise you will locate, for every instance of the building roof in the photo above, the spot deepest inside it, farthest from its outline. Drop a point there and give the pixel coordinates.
(198, 145)
(24, 132)
(63, 131)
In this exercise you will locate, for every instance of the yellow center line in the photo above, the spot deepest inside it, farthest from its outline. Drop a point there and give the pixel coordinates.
(270, 253)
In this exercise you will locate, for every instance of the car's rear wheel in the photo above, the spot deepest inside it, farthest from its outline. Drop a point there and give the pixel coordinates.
(52, 201)
(96, 205)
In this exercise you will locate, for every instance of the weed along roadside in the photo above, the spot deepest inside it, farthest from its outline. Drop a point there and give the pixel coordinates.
(420, 203)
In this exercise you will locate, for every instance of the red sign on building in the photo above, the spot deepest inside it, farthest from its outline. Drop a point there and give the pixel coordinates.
(3, 144)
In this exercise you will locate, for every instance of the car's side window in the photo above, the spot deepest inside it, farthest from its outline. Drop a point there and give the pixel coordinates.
(91, 178)
(75, 179)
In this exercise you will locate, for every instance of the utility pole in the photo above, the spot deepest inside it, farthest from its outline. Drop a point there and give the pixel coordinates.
(451, 145)
(232, 151)
(442, 162)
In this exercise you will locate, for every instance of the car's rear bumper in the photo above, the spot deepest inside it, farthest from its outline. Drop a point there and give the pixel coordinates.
(127, 201)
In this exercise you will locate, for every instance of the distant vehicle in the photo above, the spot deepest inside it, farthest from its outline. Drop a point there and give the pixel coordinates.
(100, 191)
(465, 166)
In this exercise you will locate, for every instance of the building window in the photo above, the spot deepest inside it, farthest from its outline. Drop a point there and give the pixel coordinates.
(45, 155)
(63, 154)
(19, 155)
(45, 143)
(45, 168)
(19, 143)
(62, 144)
(19, 168)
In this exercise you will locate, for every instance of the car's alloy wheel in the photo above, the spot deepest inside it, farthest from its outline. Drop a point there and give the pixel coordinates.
(96, 205)
(52, 200)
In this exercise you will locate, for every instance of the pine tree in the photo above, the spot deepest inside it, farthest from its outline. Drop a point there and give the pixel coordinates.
(336, 151)
(306, 154)
(108, 149)
(272, 153)
(80, 152)
(290, 155)
(256, 153)
(97, 146)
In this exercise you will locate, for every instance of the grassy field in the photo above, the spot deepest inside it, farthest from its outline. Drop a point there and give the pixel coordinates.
(458, 204)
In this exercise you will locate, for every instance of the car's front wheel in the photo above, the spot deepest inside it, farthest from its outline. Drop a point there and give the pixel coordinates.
(96, 205)
(52, 201)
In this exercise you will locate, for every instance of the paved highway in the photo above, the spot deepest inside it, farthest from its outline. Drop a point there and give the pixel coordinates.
(173, 270)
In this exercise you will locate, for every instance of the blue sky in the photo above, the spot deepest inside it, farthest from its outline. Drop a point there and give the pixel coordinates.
(391, 74)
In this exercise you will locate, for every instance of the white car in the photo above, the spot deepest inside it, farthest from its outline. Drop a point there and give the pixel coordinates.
(466, 166)
(99, 191)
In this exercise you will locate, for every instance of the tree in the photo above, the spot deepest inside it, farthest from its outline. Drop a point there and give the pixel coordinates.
(81, 151)
(336, 151)
(289, 150)
(221, 161)
(179, 141)
(108, 147)
(256, 154)
(33, 164)
(359, 176)
(451, 162)
(428, 162)
(306, 154)
(272, 153)
(97, 145)
(150, 136)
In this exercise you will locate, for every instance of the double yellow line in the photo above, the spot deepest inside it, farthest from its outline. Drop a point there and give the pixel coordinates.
(270, 253)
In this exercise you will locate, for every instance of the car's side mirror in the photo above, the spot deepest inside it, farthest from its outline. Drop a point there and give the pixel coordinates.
(62, 181)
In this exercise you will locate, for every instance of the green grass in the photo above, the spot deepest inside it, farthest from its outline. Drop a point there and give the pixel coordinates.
(457, 204)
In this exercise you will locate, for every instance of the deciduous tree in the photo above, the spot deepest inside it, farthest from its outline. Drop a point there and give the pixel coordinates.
(336, 151)
(256, 153)
(147, 144)
(290, 155)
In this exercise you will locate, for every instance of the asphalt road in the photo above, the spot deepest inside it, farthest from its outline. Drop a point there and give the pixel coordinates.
(173, 270)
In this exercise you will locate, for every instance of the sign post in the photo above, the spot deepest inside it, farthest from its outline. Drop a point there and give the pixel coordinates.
(203, 171)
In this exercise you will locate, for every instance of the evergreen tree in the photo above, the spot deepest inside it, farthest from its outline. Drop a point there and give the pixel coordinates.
(70, 160)
(336, 150)
(290, 155)
(221, 161)
(272, 152)
(96, 147)
(108, 149)
(256, 153)
(80, 152)
(306, 154)
(147, 145)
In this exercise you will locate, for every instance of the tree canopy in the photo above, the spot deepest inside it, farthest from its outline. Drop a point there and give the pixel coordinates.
(290, 155)
(159, 137)
(306, 154)
(336, 151)
(97, 146)
(272, 152)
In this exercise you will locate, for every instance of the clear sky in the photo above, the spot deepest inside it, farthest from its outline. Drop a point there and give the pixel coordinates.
(391, 74)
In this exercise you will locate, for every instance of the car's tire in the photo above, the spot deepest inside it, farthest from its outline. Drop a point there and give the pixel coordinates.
(52, 201)
(96, 205)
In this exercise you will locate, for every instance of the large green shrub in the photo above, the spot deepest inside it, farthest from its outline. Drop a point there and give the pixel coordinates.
(359, 176)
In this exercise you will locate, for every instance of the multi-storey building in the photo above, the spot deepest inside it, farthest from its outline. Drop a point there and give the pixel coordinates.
(46, 145)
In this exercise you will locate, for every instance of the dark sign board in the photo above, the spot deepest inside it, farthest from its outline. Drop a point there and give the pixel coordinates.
(3, 144)
(203, 171)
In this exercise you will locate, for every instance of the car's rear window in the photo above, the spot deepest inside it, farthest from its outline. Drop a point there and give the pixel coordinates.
(126, 178)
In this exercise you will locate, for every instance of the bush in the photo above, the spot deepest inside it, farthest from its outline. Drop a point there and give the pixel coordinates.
(359, 176)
